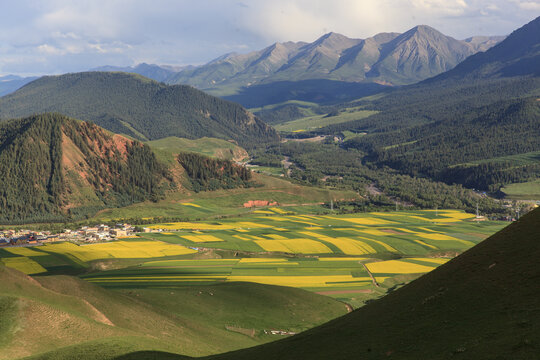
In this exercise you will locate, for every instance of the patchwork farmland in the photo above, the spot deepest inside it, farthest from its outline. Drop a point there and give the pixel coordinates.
(351, 257)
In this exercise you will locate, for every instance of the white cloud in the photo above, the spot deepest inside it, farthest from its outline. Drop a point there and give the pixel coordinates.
(530, 5)
(447, 7)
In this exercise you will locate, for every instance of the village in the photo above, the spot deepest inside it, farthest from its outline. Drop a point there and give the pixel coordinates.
(85, 234)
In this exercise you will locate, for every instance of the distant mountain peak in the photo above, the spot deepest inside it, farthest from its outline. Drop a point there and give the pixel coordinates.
(389, 58)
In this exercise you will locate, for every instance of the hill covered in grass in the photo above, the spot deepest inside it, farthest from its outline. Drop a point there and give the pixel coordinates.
(55, 167)
(63, 317)
(481, 305)
(139, 107)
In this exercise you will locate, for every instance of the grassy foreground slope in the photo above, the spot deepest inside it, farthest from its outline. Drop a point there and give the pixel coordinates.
(62, 317)
(481, 305)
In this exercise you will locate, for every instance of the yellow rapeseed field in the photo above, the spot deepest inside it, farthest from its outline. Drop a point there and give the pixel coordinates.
(426, 229)
(297, 246)
(364, 220)
(249, 225)
(457, 215)
(315, 235)
(384, 245)
(350, 246)
(275, 237)
(118, 249)
(397, 267)
(432, 236)
(202, 238)
(191, 204)
(23, 264)
(300, 281)
(278, 210)
(191, 225)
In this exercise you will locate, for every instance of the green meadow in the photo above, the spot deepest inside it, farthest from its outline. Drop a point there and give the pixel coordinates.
(317, 121)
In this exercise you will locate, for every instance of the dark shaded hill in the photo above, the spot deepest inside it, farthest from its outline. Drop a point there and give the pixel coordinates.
(318, 91)
(517, 55)
(54, 167)
(137, 106)
(481, 305)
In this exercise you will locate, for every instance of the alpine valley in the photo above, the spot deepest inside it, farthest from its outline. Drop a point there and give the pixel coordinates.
(342, 199)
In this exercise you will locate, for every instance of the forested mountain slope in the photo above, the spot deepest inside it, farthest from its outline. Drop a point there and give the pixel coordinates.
(54, 168)
(139, 107)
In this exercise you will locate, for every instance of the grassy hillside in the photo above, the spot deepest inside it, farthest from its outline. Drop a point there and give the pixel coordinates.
(223, 203)
(318, 121)
(481, 305)
(168, 148)
(64, 317)
(137, 106)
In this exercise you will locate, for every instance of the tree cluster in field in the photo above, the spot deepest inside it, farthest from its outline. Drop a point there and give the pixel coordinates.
(206, 173)
(35, 187)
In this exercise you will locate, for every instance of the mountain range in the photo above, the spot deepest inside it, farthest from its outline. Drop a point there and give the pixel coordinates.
(386, 58)
(352, 68)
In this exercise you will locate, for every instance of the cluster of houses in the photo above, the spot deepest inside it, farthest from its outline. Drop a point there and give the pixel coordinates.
(23, 237)
(87, 234)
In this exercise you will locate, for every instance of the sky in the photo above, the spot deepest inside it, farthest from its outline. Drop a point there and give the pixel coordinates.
(59, 36)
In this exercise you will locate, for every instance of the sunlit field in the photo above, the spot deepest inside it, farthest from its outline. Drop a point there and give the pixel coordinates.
(351, 257)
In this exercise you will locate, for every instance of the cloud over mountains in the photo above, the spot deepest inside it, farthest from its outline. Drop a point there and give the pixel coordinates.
(62, 36)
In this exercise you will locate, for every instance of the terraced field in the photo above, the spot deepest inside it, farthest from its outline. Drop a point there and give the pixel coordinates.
(351, 257)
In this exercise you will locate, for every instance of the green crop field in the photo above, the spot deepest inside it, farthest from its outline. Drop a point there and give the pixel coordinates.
(317, 121)
(523, 191)
(351, 257)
